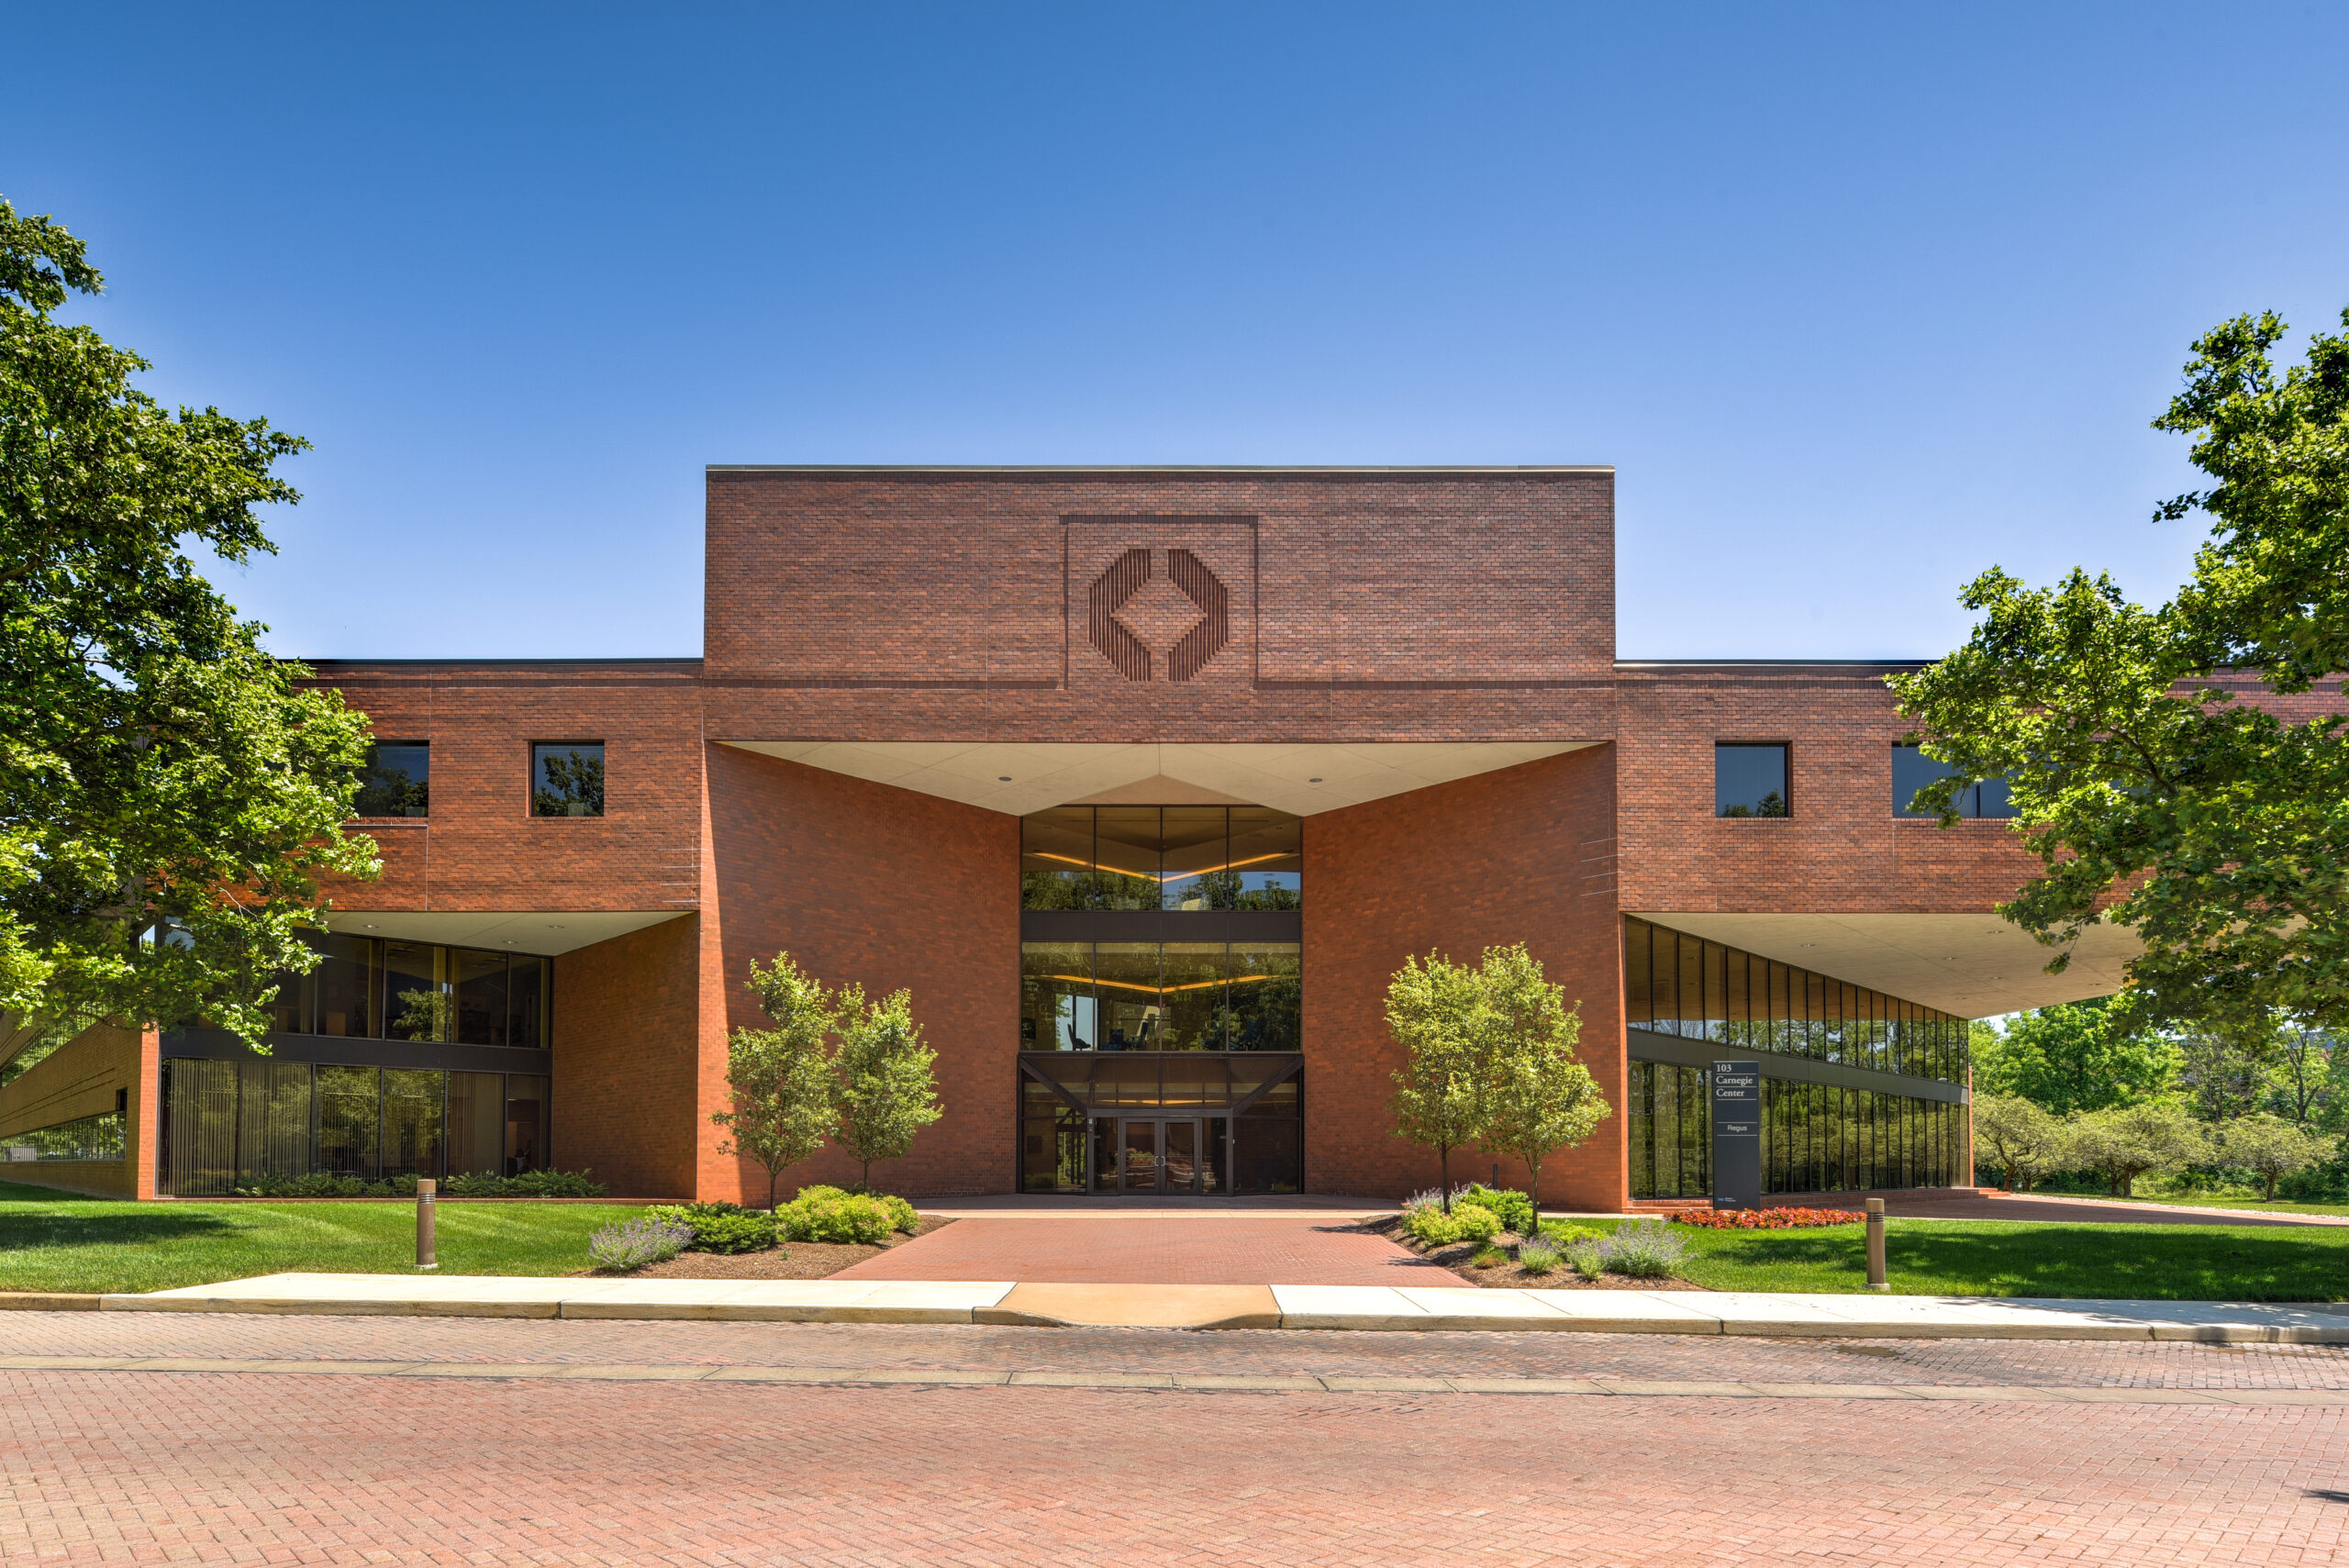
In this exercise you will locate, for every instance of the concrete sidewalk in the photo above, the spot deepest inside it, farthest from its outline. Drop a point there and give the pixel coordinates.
(1379, 1307)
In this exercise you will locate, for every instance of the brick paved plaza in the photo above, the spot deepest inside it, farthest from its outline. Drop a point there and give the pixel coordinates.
(518, 1462)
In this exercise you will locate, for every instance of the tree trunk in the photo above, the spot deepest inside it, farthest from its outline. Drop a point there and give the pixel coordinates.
(1534, 1170)
(771, 1177)
(868, 1178)
(1444, 1163)
(2010, 1178)
(2271, 1187)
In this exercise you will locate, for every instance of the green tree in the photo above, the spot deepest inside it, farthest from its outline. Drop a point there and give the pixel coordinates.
(2128, 1141)
(2075, 1057)
(786, 1095)
(2224, 1064)
(1536, 1097)
(1432, 1011)
(2017, 1136)
(887, 1089)
(170, 795)
(2271, 1147)
(2154, 794)
(2303, 1082)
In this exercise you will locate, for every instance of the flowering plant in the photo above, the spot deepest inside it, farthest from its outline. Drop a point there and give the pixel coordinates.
(1768, 1218)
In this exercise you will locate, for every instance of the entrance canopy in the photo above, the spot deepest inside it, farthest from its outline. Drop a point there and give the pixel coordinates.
(1021, 777)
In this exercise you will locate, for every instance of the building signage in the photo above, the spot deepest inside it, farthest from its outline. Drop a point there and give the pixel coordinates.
(1737, 1134)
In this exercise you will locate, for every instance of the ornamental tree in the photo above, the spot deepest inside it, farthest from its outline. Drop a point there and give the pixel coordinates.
(2128, 1141)
(2017, 1136)
(887, 1089)
(169, 794)
(1536, 1098)
(2271, 1147)
(786, 1097)
(1432, 1011)
(2162, 770)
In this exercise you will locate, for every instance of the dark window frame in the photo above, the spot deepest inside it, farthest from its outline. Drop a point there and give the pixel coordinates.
(422, 810)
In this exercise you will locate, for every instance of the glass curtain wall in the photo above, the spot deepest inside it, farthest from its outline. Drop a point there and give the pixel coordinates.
(1679, 984)
(230, 1123)
(367, 988)
(1815, 1138)
(1162, 857)
(1161, 995)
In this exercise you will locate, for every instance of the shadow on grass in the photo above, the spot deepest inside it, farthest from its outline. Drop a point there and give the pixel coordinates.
(134, 1227)
(2164, 1263)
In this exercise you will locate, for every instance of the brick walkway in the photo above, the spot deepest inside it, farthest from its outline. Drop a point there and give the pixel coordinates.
(153, 1467)
(1160, 1249)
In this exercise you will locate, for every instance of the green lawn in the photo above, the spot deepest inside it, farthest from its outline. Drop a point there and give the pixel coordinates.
(2249, 1205)
(1969, 1257)
(53, 1240)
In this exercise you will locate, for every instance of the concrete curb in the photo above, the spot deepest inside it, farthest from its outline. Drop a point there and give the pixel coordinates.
(49, 1301)
(1343, 1308)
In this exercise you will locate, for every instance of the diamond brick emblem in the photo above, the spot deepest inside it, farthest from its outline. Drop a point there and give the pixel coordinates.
(1141, 620)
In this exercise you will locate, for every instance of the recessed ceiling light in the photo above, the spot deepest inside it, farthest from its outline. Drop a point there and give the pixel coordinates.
(1313, 781)
(1003, 778)
(555, 928)
(371, 925)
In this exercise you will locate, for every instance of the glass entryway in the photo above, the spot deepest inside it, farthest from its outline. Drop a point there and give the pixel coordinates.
(1161, 1154)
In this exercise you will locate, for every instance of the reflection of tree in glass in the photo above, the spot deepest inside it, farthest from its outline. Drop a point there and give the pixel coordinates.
(572, 785)
(1773, 804)
(389, 792)
(425, 1016)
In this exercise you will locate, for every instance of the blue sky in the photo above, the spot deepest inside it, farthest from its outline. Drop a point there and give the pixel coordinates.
(1859, 300)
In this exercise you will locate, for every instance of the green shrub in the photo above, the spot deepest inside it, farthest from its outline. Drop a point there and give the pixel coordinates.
(828, 1214)
(1538, 1258)
(1588, 1258)
(719, 1227)
(1561, 1235)
(1516, 1209)
(1466, 1222)
(530, 1183)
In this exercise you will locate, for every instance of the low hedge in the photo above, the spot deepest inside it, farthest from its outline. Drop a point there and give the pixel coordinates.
(1767, 1218)
(719, 1227)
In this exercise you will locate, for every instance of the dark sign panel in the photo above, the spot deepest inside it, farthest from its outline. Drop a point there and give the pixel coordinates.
(1737, 1134)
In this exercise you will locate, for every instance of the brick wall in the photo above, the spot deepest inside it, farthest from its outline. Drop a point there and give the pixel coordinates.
(481, 848)
(1368, 606)
(627, 1060)
(888, 888)
(1841, 850)
(1525, 854)
(83, 1077)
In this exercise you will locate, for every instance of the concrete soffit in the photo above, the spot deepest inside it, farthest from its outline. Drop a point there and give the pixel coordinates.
(1974, 966)
(1021, 777)
(547, 932)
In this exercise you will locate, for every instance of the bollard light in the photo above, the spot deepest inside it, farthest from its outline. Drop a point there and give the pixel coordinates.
(1875, 1245)
(423, 1258)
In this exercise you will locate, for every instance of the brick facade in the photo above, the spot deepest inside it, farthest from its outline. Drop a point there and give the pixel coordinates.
(1362, 608)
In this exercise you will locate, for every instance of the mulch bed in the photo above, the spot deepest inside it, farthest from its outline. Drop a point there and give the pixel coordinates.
(1507, 1276)
(793, 1260)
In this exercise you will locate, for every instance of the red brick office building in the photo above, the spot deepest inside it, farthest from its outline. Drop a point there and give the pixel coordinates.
(1143, 781)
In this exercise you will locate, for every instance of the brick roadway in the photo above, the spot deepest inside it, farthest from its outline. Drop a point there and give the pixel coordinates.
(131, 1466)
(1226, 1249)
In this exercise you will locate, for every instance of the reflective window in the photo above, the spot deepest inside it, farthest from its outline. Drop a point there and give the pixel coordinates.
(397, 781)
(419, 991)
(567, 778)
(1161, 995)
(85, 1138)
(1912, 771)
(230, 1124)
(1679, 984)
(1751, 781)
(1162, 857)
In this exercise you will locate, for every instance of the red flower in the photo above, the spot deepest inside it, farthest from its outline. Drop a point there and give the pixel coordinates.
(1768, 1218)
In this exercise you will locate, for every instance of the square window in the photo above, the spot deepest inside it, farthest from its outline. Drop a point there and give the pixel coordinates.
(567, 778)
(1751, 781)
(397, 780)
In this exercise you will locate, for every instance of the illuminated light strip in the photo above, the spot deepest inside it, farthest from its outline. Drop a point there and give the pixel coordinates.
(1161, 878)
(1154, 990)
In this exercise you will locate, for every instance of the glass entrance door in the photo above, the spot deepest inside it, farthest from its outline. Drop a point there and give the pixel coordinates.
(1159, 1154)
